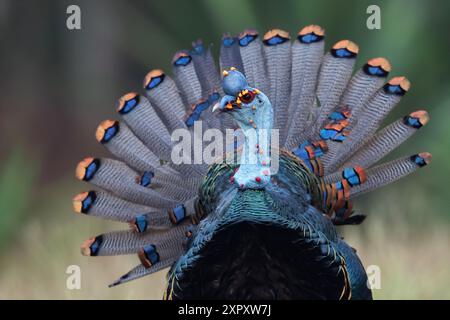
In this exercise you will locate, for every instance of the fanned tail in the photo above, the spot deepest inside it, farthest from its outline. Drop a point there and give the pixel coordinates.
(327, 117)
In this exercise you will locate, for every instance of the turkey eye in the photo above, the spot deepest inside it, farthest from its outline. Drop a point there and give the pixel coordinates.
(247, 97)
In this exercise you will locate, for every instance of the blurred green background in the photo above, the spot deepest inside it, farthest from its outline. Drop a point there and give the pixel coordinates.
(57, 85)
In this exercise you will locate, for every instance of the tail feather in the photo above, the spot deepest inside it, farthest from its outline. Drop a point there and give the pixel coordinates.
(206, 69)
(186, 77)
(364, 85)
(145, 123)
(122, 143)
(118, 178)
(251, 49)
(387, 139)
(141, 271)
(168, 242)
(105, 205)
(307, 54)
(386, 173)
(230, 56)
(335, 73)
(368, 121)
(328, 118)
(277, 51)
(165, 97)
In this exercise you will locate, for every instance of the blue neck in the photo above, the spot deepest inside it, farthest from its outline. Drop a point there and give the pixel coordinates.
(254, 170)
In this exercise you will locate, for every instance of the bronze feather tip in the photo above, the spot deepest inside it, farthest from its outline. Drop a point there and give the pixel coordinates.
(383, 63)
(181, 58)
(275, 37)
(312, 29)
(403, 82)
(86, 247)
(248, 32)
(106, 130)
(153, 78)
(247, 36)
(127, 102)
(420, 115)
(83, 201)
(86, 168)
(348, 45)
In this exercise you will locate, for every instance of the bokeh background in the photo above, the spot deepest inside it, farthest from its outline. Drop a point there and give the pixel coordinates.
(57, 85)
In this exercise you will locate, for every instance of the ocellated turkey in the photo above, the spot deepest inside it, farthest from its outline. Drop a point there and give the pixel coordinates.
(247, 231)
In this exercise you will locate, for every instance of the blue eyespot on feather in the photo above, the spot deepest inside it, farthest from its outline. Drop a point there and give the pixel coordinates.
(228, 41)
(177, 214)
(140, 223)
(275, 37)
(345, 49)
(379, 67)
(198, 47)
(82, 202)
(148, 255)
(354, 176)
(153, 79)
(311, 34)
(398, 86)
(421, 159)
(87, 168)
(181, 59)
(107, 130)
(128, 102)
(246, 37)
(145, 179)
(416, 119)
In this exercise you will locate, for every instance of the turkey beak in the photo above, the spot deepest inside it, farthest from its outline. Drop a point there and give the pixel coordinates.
(216, 107)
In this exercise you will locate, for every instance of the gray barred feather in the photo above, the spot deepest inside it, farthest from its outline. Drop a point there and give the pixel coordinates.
(278, 62)
(389, 172)
(361, 88)
(366, 125)
(253, 60)
(111, 207)
(306, 61)
(186, 78)
(118, 178)
(127, 147)
(206, 69)
(334, 76)
(141, 271)
(382, 143)
(168, 241)
(169, 104)
(230, 55)
(148, 126)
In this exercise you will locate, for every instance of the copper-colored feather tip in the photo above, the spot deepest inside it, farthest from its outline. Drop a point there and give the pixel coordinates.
(225, 73)
(274, 33)
(317, 30)
(181, 58)
(152, 74)
(247, 32)
(80, 171)
(124, 99)
(86, 246)
(346, 44)
(78, 201)
(103, 128)
(383, 63)
(426, 156)
(422, 115)
(361, 173)
(403, 82)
